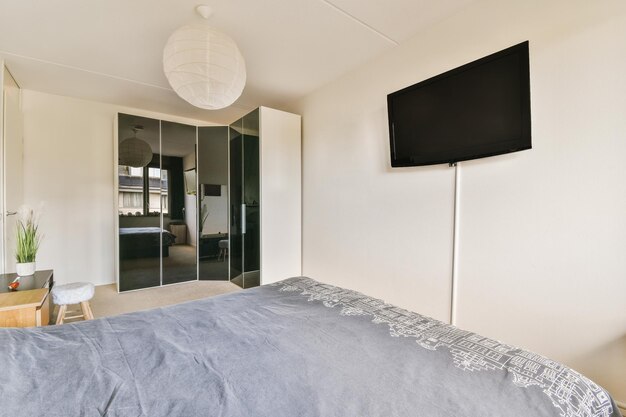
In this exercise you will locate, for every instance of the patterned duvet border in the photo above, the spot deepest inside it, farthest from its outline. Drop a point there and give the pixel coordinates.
(573, 394)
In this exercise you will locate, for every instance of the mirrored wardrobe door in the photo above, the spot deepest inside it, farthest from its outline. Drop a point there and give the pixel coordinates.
(176, 183)
(139, 233)
(236, 201)
(213, 230)
(251, 201)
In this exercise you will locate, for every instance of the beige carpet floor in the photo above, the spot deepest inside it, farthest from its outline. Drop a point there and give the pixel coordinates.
(107, 302)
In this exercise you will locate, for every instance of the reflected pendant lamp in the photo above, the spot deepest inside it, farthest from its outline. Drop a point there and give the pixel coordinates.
(204, 66)
(134, 152)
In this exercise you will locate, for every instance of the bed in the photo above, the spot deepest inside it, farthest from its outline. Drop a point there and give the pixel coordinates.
(144, 242)
(294, 348)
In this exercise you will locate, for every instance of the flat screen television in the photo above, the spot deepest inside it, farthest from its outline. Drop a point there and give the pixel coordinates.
(479, 109)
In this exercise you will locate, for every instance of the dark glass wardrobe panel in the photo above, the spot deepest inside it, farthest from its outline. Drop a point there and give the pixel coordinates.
(236, 200)
(213, 219)
(245, 201)
(139, 225)
(178, 202)
(252, 200)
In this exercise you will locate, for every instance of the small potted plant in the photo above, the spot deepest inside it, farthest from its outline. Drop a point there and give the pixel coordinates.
(28, 240)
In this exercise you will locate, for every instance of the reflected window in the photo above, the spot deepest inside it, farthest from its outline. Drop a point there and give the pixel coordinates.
(130, 190)
(164, 191)
(154, 190)
(133, 190)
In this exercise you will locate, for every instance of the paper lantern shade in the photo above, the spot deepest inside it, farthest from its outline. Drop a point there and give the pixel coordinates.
(134, 152)
(204, 67)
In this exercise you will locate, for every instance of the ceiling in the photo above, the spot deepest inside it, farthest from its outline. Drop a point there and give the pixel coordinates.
(111, 50)
(165, 138)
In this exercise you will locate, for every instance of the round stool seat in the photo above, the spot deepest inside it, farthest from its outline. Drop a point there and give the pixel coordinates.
(73, 293)
(223, 244)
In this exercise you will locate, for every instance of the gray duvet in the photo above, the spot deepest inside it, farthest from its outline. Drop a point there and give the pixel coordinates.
(294, 348)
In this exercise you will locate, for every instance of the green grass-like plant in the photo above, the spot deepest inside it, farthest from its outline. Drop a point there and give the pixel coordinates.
(28, 238)
(204, 213)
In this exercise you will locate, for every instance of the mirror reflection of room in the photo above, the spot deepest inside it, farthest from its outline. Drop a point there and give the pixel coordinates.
(157, 202)
(139, 202)
(214, 247)
(245, 236)
(178, 158)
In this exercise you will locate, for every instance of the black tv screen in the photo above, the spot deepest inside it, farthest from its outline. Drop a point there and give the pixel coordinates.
(479, 109)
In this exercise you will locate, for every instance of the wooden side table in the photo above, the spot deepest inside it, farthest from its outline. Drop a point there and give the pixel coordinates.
(180, 231)
(28, 306)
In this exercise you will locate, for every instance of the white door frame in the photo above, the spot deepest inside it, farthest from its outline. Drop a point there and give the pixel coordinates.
(12, 170)
(2, 203)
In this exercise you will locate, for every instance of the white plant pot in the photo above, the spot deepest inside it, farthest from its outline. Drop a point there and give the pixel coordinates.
(25, 269)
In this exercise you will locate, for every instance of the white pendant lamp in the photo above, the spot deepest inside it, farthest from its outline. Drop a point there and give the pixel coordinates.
(134, 152)
(203, 65)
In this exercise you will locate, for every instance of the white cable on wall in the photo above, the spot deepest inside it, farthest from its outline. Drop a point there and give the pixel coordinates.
(455, 243)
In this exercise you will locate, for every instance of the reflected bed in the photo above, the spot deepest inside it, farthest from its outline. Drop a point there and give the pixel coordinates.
(144, 242)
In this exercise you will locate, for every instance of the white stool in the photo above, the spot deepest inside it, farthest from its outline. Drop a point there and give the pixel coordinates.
(75, 293)
(223, 245)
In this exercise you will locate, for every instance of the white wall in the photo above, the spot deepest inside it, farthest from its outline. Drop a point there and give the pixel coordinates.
(217, 209)
(68, 163)
(189, 162)
(543, 232)
(213, 169)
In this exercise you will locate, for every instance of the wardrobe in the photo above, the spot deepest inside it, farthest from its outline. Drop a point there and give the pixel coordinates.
(208, 202)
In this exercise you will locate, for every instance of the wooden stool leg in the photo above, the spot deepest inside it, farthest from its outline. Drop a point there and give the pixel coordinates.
(84, 305)
(90, 310)
(61, 315)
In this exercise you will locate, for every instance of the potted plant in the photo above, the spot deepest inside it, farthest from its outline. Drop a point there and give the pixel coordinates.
(28, 240)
